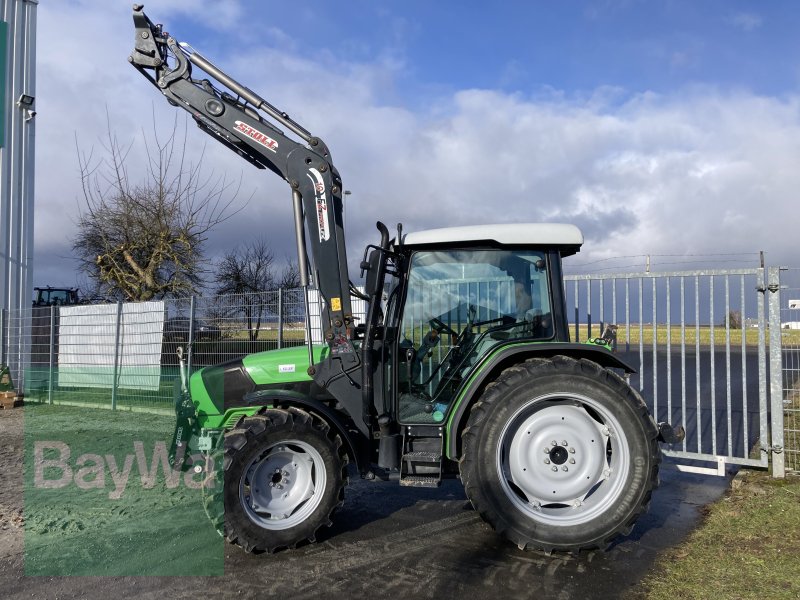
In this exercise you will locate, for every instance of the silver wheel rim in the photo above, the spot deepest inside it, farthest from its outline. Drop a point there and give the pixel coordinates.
(563, 459)
(283, 485)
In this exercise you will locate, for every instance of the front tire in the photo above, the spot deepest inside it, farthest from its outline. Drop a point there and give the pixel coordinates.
(284, 473)
(560, 454)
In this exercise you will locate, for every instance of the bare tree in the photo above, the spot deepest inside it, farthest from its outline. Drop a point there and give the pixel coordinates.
(293, 307)
(290, 276)
(90, 290)
(248, 270)
(141, 241)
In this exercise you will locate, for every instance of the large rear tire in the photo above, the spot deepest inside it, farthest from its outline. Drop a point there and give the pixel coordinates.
(560, 454)
(283, 475)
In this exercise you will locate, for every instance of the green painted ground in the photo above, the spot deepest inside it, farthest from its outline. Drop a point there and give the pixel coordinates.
(99, 499)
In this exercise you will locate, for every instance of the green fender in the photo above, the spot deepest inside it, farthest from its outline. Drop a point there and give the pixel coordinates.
(356, 443)
(505, 356)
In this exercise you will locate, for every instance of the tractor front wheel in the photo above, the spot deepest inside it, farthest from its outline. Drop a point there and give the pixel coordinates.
(560, 454)
(284, 473)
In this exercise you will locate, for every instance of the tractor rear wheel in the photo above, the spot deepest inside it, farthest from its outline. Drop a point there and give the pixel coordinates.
(560, 454)
(283, 475)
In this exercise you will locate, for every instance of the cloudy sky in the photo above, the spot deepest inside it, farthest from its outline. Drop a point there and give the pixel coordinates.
(669, 128)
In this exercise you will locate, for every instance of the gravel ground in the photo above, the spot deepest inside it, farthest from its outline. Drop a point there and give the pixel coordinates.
(385, 540)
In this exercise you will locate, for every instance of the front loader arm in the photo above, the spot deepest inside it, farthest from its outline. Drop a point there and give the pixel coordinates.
(243, 121)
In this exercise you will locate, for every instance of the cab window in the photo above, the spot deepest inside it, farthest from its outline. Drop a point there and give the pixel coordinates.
(459, 305)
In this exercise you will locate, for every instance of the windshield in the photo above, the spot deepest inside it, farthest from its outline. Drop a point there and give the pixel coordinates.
(55, 297)
(491, 283)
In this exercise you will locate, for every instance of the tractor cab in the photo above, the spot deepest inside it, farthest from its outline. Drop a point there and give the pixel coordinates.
(53, 296)
(467, 291)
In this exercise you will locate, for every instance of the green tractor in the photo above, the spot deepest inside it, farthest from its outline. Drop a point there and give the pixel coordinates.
(462, 368)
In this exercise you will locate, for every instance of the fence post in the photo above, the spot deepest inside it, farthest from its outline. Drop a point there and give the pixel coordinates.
(116, 356)
(52, 361)
(190, 342)
(280, 318)
(776, 373)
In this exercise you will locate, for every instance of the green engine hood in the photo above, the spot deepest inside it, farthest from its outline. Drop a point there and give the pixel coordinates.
(282, 366)
(215, 388)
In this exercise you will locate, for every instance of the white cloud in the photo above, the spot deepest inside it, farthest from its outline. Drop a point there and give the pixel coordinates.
(697, 171)
(746, 21)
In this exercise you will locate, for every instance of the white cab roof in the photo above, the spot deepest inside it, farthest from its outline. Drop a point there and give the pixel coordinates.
(514, 234)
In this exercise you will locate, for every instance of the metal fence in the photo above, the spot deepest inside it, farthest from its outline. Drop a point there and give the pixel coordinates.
(703, 343)
(125, 355)
(698, 342)
(788, 299)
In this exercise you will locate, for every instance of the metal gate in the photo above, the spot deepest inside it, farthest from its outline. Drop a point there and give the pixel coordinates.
(787, 389)
(698, 342)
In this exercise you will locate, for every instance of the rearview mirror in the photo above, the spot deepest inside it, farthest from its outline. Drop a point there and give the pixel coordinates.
(372, 286)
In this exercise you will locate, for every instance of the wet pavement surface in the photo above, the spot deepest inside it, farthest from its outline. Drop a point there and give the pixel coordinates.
(386, 540)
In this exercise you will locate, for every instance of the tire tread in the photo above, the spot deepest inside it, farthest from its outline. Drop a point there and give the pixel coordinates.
(238, 440)
(495, 392)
